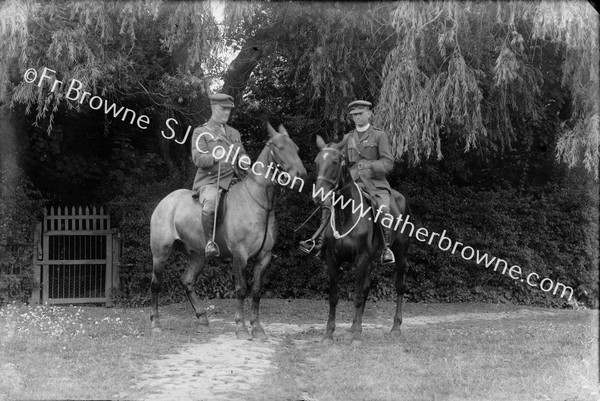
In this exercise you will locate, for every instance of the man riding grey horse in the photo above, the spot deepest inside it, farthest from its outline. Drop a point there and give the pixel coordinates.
(369, 157)
(214, 173)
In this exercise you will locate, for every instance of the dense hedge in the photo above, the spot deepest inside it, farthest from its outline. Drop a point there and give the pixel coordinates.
(21, 209)
(551, 230)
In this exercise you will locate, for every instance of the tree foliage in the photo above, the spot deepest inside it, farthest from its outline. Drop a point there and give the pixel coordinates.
(470, 71)
(149, 53)
(329, 51)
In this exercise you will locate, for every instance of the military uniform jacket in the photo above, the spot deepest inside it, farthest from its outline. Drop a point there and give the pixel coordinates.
(376, 150)
(202, 148)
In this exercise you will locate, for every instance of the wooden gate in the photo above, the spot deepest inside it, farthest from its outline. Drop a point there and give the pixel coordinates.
(77, 257)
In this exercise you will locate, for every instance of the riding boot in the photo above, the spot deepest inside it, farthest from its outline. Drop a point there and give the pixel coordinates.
(387, 256)
(208, 220)
(315, 246)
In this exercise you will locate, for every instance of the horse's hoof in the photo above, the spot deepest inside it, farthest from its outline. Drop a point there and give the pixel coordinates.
(327, 341)
(156, 331)
(259, 333)
(242, 334)
(396, 332)
(202, 328)
(350, 329)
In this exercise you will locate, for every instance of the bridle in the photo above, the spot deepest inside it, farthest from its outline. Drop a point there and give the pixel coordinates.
(272, 158)
(335, 183)
(335, 189)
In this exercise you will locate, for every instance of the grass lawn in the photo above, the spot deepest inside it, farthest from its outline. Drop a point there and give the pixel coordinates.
(95, 352)
(66, 352)
(535, 357)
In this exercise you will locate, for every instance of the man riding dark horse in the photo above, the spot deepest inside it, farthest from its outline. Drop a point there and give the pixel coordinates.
(369, 155)
(214, 138)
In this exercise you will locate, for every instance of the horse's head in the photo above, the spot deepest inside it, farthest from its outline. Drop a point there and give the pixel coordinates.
(284, 152)
(330, 164)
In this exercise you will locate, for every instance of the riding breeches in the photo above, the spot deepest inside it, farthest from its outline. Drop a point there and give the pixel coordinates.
(381, 198)
(207, 195)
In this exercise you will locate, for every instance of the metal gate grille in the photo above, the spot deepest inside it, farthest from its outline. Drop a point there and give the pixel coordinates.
(77, 281)
(77, 256)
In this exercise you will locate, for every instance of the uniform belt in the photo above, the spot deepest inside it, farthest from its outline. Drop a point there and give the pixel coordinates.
(352, 164)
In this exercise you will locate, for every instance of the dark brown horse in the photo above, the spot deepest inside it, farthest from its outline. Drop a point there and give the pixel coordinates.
(353, 237)
(246, 231)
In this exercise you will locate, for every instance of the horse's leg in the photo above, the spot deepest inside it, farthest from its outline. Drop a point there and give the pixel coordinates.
(361, 293)
(400, 252)
(259, 269)
(241, 288)
(158, 265)
(332, 271)
(188, 279)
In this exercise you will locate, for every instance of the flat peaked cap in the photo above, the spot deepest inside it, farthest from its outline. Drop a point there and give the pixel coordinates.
(358, 106)
(222, 99)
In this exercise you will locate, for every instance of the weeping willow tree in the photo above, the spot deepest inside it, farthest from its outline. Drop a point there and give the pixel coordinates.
(122, 51)
(468, 71)
(462, 70)
(328, 53)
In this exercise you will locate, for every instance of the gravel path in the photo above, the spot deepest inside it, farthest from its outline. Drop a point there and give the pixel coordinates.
(225, 368)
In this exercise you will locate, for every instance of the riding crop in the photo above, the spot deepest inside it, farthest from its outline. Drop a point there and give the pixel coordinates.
(216, 209)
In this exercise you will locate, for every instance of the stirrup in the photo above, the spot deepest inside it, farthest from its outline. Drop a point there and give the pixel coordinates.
(211, 249)
(307, 246)
(387, 256)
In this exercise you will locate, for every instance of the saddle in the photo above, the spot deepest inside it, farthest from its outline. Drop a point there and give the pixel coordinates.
(370, 202)
(221, 207)
(369, 199)
(395, 198)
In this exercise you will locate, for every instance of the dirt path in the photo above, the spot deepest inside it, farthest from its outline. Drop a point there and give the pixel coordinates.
(225, 368)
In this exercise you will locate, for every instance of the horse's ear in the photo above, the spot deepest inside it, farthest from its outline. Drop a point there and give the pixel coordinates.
(320, 142)
(282, 130)
(340, 145)
(271, 130)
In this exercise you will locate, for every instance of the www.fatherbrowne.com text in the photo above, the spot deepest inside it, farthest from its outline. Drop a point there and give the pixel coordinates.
(446, 244)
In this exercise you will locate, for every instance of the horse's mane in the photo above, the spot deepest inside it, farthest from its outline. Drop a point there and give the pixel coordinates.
(249, 174)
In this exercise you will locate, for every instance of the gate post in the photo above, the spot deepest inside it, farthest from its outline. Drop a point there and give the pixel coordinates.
(37, 268)
(109, 272)
(45, 267)
(116, 259)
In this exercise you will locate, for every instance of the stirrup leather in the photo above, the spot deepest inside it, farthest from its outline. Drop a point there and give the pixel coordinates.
(307, 246)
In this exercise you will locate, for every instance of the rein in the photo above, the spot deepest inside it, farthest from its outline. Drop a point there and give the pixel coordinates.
(339, 174)
(273, 158)
(336, 233)
(336, 189)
